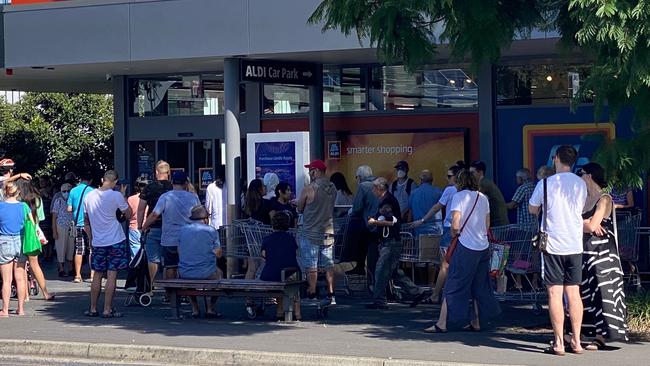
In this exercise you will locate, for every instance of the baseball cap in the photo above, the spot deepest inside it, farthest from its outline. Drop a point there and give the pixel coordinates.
(179, 177)
(7, 162)
(316, 164)
(402, 164)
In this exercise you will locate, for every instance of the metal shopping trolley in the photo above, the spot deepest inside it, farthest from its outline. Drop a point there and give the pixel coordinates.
(627, 224)
(522, 264)
(421, 246)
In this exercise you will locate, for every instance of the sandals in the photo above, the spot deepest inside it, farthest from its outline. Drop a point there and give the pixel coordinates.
(595, 345)
(470, 328)
(112, 314)
(552, 351)
(92, 314)
(77, 280)
(435, 329)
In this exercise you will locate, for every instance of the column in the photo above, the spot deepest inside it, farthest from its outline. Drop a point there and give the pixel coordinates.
(120, 133)
(487, 117)
(233, 144)
(316, 120)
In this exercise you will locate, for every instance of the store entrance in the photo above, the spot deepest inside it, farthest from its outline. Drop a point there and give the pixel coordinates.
(195, 157)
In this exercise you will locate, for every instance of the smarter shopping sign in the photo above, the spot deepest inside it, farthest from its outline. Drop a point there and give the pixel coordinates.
(435, 151)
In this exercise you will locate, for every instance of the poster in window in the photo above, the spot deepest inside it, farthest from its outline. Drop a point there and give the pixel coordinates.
(276, 157)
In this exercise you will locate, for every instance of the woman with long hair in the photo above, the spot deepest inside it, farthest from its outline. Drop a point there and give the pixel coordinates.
(12, 220)
(256, 206)
(468, 277)
(29, 195)
(344, 196)
(602, 289)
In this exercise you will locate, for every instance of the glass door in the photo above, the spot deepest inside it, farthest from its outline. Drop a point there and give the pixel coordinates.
(176, 153)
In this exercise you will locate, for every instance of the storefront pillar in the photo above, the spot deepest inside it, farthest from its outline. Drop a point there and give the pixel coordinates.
(316, 118)
(233, 144)
(487, 117)
(120, 138)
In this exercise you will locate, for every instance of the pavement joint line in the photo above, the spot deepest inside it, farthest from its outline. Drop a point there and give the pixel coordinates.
(195, 356)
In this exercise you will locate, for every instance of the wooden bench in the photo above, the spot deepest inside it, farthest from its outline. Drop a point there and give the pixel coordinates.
(289, 290)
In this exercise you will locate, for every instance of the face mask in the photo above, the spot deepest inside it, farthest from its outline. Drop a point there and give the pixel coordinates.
(401, 174)
(65, 195)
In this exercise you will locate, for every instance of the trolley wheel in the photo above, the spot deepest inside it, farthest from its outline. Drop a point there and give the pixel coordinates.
(145, 300)
(14, 292)
(251, 311)
(33, 290)
(537, 309)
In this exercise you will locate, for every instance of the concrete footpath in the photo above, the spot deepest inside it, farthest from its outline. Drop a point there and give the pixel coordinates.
(352, 335)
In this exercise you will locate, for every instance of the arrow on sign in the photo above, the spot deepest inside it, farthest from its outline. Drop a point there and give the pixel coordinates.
(307, 74)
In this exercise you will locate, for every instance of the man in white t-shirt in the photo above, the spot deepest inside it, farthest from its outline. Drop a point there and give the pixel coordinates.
(562, 261)
(109, 247)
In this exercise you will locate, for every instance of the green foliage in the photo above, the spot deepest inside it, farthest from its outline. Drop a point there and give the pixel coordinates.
(614, 33)
(638, 313)
(51, 133)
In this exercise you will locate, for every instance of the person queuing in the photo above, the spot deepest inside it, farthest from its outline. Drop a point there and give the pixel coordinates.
(175, 208)
(80, 233)
(13, 214)
(387, 222)
(443, 203)
(602, 286)
(316, 203)
(29, 194)
(364, 206)
(402, 187)
(282, 203)
(271, 181)
(198, 250)
(134, 203)
(148, 200)
(62, 221)
(109, 253)
(344, 196)
(562, 259)
(525, 188)
(7, 175)
(498, 211)
(468, 277)
(256, 206)
(215, 203)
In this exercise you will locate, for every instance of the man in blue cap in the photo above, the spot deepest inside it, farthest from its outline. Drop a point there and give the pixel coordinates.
(175, 207)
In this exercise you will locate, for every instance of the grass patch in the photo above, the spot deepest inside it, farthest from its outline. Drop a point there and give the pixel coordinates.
(638, 314)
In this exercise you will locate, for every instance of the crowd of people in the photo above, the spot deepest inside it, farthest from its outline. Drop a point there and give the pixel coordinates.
(105, 227)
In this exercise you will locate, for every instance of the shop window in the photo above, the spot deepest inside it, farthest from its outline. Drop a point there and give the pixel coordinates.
(187, 95)
(344, 89)
(285, 99)
(392, 88)
(538, 84)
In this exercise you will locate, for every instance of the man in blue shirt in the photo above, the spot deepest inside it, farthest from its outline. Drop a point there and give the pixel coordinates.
(76, 206)
(198, 250)
(421, 200)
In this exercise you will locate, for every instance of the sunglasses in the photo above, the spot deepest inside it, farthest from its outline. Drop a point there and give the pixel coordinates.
(581, 172)
(449, 175)
(65, 191)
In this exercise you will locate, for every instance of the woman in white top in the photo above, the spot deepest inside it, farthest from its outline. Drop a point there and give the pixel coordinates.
(468, 277)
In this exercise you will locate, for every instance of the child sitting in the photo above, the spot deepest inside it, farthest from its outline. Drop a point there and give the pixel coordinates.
(279, 250)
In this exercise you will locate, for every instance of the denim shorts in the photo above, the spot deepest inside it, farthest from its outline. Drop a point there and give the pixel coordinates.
(111, 258)
(152, 245)
(313, 254)
(446, 237)
(134, 241)
(10, 248)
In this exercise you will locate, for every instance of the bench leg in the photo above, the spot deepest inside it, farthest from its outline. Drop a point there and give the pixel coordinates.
(290, 296)
(175, 303)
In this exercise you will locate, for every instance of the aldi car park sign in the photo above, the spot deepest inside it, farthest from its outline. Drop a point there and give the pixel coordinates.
(281, 72)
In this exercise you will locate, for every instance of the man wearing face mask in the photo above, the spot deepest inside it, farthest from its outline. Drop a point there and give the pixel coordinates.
(61, 220)
(402, 187)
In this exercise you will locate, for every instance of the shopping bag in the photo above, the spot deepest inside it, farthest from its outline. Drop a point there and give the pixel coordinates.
(31, 244)
(500, 253)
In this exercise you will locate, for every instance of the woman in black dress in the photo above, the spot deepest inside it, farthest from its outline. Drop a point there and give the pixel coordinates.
(602, 290)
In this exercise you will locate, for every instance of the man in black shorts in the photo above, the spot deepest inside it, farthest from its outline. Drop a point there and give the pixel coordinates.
(566, 194)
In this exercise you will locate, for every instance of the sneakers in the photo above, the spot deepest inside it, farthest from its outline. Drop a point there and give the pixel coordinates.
(332, 299)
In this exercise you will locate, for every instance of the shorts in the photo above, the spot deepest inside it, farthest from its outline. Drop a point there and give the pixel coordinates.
(446, 237)
(562, 270)
(313, 254)
(134, 241)
(10, 248)
(170, 257)
(80, 242)
(152, 245)
(110, 258)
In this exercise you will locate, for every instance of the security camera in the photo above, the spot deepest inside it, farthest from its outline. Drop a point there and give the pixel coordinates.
(109, 77)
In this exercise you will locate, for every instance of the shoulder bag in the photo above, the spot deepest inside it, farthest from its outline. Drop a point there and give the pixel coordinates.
(540, 241)
(454, 240)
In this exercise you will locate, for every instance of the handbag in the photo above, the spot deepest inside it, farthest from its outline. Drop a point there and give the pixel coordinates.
(31, 245)
(454, 240)
(540, 241)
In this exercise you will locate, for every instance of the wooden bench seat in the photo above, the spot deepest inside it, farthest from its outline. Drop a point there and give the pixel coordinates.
(289, 290)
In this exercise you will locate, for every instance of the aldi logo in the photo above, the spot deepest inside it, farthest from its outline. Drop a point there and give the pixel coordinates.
(334, 149)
